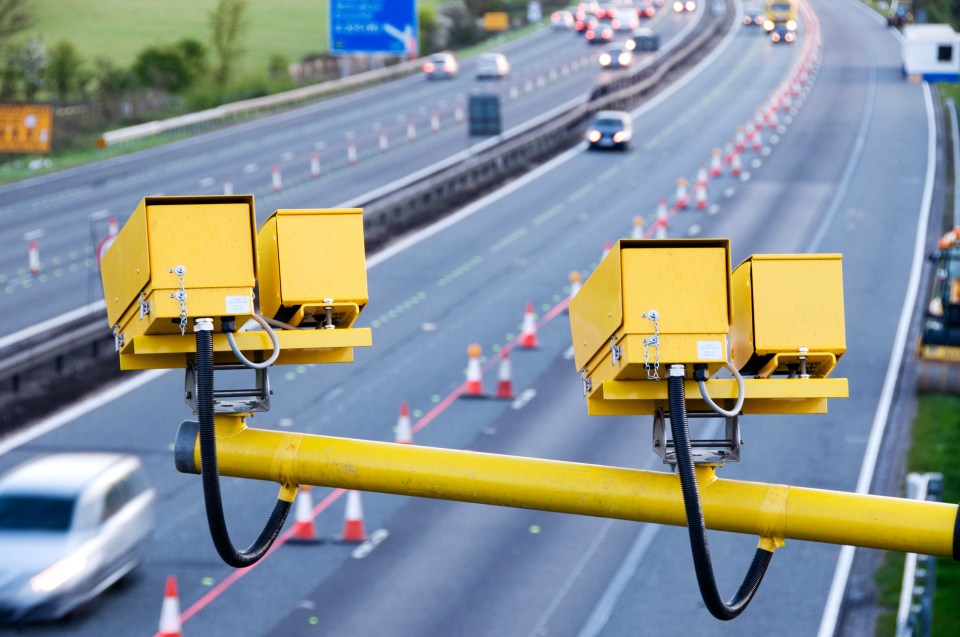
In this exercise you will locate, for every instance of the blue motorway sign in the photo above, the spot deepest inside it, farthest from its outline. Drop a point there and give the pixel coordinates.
(373, 26)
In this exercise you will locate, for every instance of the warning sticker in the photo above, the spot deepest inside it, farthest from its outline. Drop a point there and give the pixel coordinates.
(710, 350)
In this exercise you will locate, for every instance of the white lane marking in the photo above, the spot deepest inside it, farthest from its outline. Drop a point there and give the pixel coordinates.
(838, 587)
(99, 214)
(523, 399)
(73, 412)
(250, 168)
(33, 234)
(367, 547)
(206, 182)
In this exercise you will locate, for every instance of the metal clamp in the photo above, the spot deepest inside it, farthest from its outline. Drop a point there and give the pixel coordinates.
(587, 382)
(616, 353)
(702, 451)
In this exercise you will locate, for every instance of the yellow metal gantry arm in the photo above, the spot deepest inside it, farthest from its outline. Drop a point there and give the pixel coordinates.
(766, 510)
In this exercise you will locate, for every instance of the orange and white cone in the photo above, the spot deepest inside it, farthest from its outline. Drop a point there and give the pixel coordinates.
(728, 151)
(702, 177)
(758, 140)
(504, 377)
(434, 122)
(683, 197)
(404, 434)
(661, 232)
(716, 163)
(351, 152)
(314, 165)
(607, 247)
(353, 519)
(411, 131)
(33, 257)
(474, 384)
(700, 195)
(113, 227)
(740, 140)
(575, 284)
(277, 179)
(170, 611)
(458, 113)
(735, 166)
(637, 228)
(528, 331)
(751, 130)
(384, 141)
(303, 529)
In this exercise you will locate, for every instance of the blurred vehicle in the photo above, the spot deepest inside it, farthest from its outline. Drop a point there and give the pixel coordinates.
(441, 66)
(610, 129)
(616, 57)
(492, 65)
(684, 6)
(602, 34)
(646, 9)
(71, 525)
(780, 12)
(899, 14)
(781, 33)
(644, 39)
(625, 20)
(606, 11)
(753, 14)
(561, 20)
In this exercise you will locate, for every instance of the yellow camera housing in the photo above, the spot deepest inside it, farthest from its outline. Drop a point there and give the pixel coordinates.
(181, 257)
(788, 315)
(611, 320)
(311, 260)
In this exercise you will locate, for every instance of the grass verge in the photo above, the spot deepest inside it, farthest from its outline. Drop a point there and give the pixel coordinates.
(936, 445)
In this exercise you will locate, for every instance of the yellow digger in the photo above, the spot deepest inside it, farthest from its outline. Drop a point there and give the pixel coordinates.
(939, 346)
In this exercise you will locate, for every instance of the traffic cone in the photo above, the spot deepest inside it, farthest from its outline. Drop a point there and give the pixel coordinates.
(384, 141)
(33, 257)
(637, 228)
(728, 151)
(716, 163)
(474, 384)
(661, 232)
(758, 119)
(458, 113)
(700, 194)
(735, 168)
(411, 131)
(351, 151)
(277, 179)
(170, 611)
(314, 165)
(434, 122)
(683, 198)
(303, 530)
(528, 332)
(504, 380)
(607, 247)
(740, 140)
(574, 285)
(353, 519)
(113, 227)
(702, 177)
(404, 435)
(751, 130)
(758, 140)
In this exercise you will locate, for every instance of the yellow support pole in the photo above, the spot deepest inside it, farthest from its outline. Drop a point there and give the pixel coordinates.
(765, 510)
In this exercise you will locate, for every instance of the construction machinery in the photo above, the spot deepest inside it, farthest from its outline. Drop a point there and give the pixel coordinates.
(939, 346)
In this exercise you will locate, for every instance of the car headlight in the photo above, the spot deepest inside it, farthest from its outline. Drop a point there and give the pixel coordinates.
(630, 45)
(791, 25)
(678, 6)
(624, 59)
(768, 25)
(605, 59)
(55, 576)
(619, 136)
(691, 6)
(594, 136)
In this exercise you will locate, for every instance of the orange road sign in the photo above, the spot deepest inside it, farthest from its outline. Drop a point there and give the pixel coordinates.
(26, 128)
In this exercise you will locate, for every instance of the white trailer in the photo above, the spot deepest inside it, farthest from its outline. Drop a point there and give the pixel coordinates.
(931, 52)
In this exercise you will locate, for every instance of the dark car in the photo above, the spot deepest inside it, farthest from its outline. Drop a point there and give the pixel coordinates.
(616, 56)
(782, 34)
(602, 34)
(610, 129)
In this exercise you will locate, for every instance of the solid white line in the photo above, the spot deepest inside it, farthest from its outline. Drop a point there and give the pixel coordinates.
(49, 324)
(831, 612)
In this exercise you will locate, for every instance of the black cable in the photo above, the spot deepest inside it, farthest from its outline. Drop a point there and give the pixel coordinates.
(209, 473)
(695, 525)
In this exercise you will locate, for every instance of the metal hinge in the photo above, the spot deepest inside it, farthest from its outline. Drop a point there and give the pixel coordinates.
(144, 306)
(117, 339)
(587, 382)
(615, 351)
